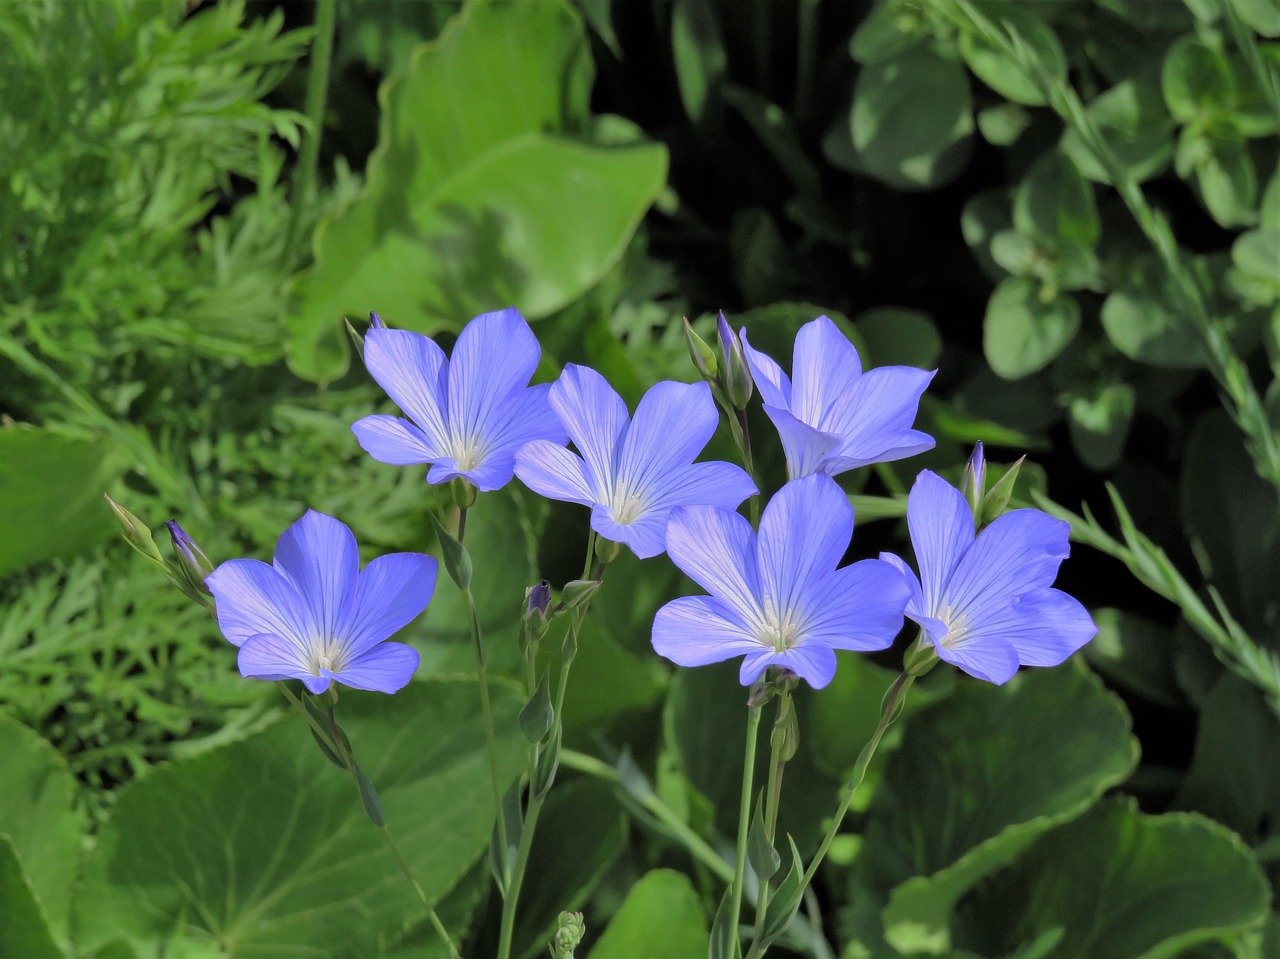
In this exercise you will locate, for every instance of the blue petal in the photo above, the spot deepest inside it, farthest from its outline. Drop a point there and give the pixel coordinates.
(717, 550)
(319, 555)
(390, 439)
(859, 607)
(412, 369)
(774, 387)
(672, 423)
(526, 417)
(697, 630)
(390, 592)
(804, 533)
(875, 417)
(808, 450)
(825, 370)
(915, 598)
(1044, 626)
(554, 472)
(271, 657)
(815, 664)
(987, 658)
(646, 534)
(941, 525)
(1019, 552)
(385, 668)
(252, 598)
(704, 484)
(492, 362)
(595, 418)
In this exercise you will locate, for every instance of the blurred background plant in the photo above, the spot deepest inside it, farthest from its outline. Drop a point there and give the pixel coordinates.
(1071, 208)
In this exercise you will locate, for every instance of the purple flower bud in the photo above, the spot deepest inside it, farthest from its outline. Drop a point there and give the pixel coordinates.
(974, 483)
(734, 374)
(375, 321)
(539, 598)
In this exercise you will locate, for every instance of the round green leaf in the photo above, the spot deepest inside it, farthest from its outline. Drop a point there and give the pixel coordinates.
(1256, 255)
(661, 918)
(1262, 15)
(1002, 73)
(1055, 203)
(908, 117)
(262, 845)
(1143, 324)
(977, 779)
(1119, 884)
(1021, 332)
(1196, 79)
(1099, 423)
(1134, 123)
(1226, 178)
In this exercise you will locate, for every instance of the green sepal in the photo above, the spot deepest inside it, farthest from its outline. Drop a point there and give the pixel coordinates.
(786, 902)
(724, 941)
(607, 550)
(457, 561)
(538, 713)
(544, 775)
(368, 795)
(704, 357)
(997, 498)
(321, 719)
(761, 854)
(785, 736)
(578, 592)
(500, 864)
(356, 339)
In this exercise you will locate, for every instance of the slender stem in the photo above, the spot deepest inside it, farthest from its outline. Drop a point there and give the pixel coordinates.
(893, 701)
(749, 462)
(436, 924)
(304, 179)
(744, 820)
(486, 710)
(652, 803)
(517, 876)
(773, 797)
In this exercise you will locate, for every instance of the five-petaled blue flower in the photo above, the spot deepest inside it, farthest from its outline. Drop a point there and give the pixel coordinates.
(985, 599)
(834, 417)
(777, 598)
(632, 472)
(314, 615)
(471, 413)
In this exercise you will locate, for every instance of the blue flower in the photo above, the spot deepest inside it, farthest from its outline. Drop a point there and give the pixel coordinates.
(632, 473)
(313, 615)
(468, 415)
(777, 598)
(985, 599)
(835, 417)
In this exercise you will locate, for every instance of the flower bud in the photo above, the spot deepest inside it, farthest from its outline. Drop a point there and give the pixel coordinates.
(607, 550)
(537, 599)
(735, 377)
(973, 485)
(703, 356)
(569, 932)
(193, 565)
(375, 321)
(463, 493)
(578, 592)
(136, 533)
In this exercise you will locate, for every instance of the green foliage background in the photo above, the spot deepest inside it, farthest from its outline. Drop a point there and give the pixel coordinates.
(1070, 208)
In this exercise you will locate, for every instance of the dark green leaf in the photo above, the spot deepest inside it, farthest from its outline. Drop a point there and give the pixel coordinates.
(24, 933)
(1099, 423)
(1135, 125)
(1001, 72)
(1136, 653)
(538, 714)
(899, 337)
(661, 918)
(1022, 331)
(698, 51)
(1196, 80)
(1054, 203)
(763, 857)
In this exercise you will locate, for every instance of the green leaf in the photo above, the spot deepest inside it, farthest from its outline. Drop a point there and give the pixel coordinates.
(1256, 255)
(1123, 885)
(1099, 422)
(1262, 15)
(889, 30)
(24, 933)
(661, 918)
(1224, 174)
(41, 814)
(764, 859)
(51, 489)
(475, 198)
(1142, 322)
(262, 845)
(1134, 122)
(911, 119)
(1196, 80)
(1136, 653)
(1022, 332)
(976, 780)
(538, 714)
(698, 52)
(1000, 71)
(1001, 125)
(457, 559)
(1054, 203)
(580, 834)
(896, 336)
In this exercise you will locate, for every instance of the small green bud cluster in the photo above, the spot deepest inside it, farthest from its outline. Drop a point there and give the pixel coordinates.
(189, 566)
(570, 929)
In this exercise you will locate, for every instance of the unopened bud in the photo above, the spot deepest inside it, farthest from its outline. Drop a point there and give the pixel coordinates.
(997, 500)
(735, 377)
(578, 592)
(974, 484)
(703, 356)
(607, 550)
(463, 493)
(537, 598)
(375, 321)
(569, 932)
(136, 533)
(192, 566)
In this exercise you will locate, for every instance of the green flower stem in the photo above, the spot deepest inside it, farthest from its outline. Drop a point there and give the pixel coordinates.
(491, 742)
(773, 799)
(653, 805)
(304, 181)
(741, 432)
(744, 821)
(516, 880)
(333, 740)
(889, 711)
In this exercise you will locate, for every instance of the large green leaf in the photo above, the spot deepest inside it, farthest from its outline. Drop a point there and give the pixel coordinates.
(661, 918)
(476, 198)
(1118, 884)
(1023, 331)
(261, 848)
(976, 780)
(24, 933)
(51, 490)
(39, 813)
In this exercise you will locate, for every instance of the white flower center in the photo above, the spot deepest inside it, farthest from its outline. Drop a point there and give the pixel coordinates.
(781, 633)
(627, 505)
(326, 653)
(957, 627)
(468, 451)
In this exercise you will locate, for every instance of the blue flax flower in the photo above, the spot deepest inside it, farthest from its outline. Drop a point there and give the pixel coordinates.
(632, 472)
(834, 417)
(777, 598)
(985, 599)
(469, 414)
(312, 613)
